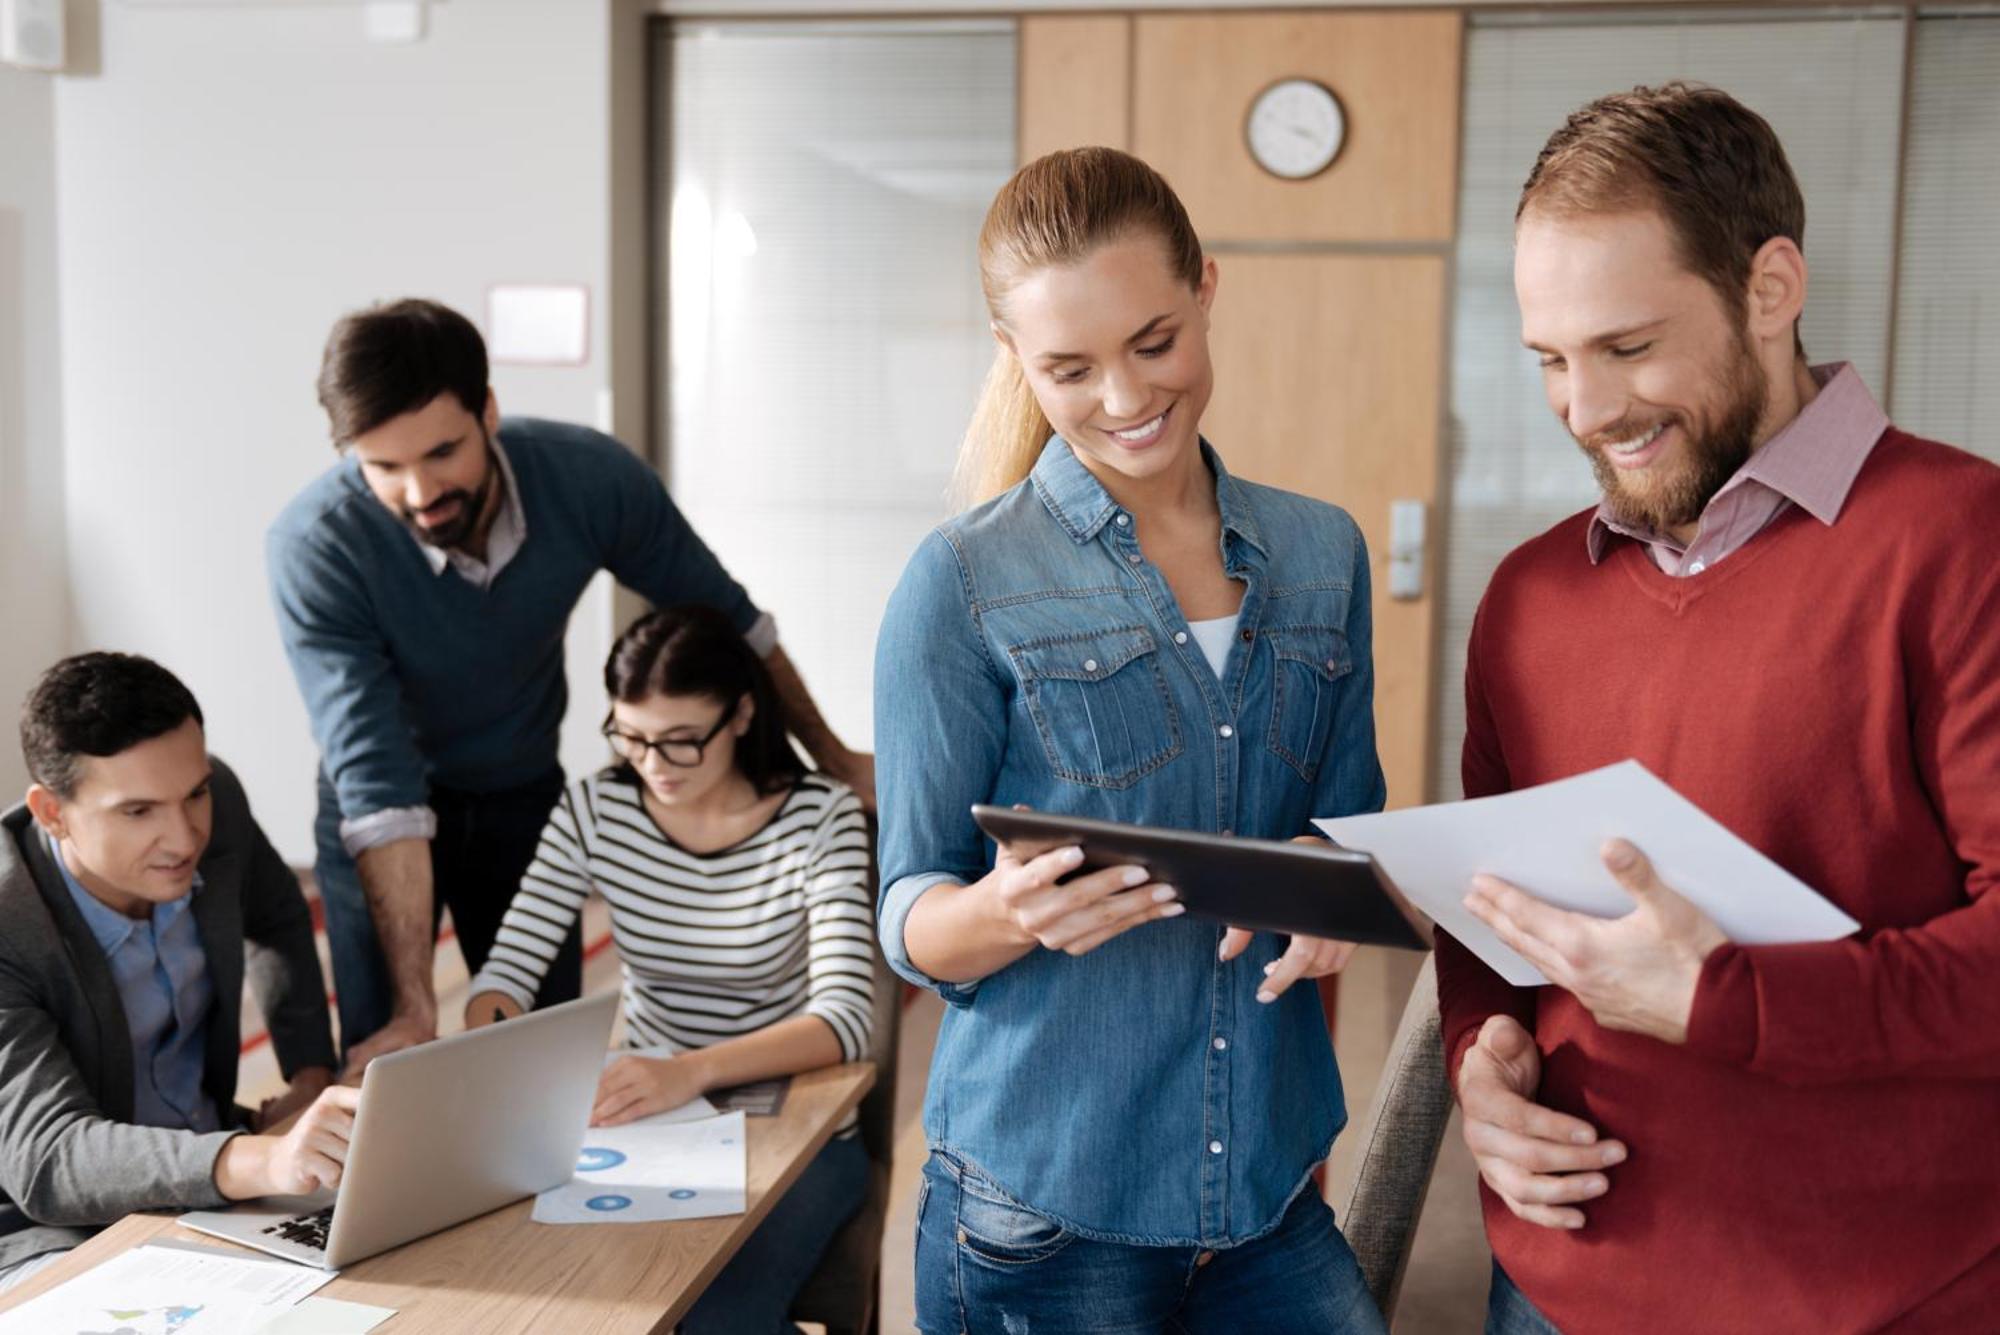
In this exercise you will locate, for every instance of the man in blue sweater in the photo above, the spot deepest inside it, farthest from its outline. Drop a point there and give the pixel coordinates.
(422, 587)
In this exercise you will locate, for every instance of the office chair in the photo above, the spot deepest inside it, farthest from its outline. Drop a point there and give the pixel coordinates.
(844, 1293)
(1400, 1138)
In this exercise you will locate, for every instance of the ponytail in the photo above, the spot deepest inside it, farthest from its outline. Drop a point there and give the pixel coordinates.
(1005, 438)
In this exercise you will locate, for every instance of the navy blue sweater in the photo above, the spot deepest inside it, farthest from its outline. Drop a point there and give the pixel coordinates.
(412, 677)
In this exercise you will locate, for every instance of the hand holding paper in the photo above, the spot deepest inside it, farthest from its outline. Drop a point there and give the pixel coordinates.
(1637, 972)
(1546, 840)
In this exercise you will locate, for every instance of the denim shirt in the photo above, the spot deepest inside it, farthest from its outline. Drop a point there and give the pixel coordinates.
(1138, 1093)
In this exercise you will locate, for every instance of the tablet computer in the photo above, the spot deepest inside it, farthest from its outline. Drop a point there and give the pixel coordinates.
(1267, 884)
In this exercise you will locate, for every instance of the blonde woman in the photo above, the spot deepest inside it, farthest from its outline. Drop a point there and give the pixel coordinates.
(1125, 1105)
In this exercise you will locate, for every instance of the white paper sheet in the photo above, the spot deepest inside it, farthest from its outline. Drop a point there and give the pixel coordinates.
(168, 1288)
(650, 1171)
(327, 1316)
(1546, 840)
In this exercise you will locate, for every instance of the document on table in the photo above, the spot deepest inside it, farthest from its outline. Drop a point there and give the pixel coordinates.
(1546, 840)
(168, 1288)
(326, 1316)
(653, 1170)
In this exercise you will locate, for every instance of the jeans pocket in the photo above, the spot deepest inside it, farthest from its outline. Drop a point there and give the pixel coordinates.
(1308, 663)
(1099, 700)
(995, 1228)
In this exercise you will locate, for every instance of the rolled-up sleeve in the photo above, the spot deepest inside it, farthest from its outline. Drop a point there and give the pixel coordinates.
(940, 738)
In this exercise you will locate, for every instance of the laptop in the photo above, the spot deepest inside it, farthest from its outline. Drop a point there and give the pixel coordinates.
(445, 1131)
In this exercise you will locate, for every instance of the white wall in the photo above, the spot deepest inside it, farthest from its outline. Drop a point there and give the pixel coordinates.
(229, 182)
(34, 607)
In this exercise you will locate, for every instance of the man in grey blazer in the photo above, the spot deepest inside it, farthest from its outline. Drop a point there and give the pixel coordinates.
(135, 891)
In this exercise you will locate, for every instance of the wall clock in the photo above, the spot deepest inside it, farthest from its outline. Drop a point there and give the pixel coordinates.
(1295, 128)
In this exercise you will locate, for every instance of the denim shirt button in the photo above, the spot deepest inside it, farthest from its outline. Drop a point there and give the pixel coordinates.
(1180, 637)
(1226, 730)
(1221, 1045)
(1133, 557)
(1215, 1147)
(1122, 520)
(1090, 665)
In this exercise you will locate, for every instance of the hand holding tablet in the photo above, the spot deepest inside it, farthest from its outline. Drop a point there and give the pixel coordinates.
(1265, 884)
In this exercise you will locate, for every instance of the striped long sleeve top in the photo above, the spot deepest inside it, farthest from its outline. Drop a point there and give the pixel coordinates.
(714, 945)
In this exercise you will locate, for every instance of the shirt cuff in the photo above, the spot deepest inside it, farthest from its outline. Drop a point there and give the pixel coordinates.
(487, 981)
(387, 826)
(897, 901)
(763, 634)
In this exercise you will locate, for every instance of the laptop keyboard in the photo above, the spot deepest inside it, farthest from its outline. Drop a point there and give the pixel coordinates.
(304, 1230)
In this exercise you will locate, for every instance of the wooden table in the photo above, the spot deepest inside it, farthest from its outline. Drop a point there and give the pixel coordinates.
(503, 1273)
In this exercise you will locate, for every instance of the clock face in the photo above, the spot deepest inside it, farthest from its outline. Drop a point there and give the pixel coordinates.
(1295, 128)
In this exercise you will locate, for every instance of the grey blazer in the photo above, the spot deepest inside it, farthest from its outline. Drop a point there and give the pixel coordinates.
(70, 1159)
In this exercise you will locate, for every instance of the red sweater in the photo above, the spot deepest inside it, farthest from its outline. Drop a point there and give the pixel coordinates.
(1824, 1152)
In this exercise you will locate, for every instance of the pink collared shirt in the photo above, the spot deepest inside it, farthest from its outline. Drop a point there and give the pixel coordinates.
(1811, 463)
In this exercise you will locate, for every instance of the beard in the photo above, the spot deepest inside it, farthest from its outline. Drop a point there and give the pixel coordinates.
(472, 505)
(1719, 442)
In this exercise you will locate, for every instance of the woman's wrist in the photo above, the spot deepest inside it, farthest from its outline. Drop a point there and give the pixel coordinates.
(698, 1064)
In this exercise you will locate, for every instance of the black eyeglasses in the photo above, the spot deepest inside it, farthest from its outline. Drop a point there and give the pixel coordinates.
(680, 752)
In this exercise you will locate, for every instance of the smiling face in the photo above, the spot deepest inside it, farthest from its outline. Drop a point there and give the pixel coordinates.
(135, 824)
(1661, 384)
(1115, 349)
(434, 469)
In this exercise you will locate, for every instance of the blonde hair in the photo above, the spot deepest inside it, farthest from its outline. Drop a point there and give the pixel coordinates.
(1055, 211)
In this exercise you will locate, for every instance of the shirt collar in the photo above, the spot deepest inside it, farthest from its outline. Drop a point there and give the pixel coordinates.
(1811, 462)
(1079, 502)
(503, 540)
(112, 928)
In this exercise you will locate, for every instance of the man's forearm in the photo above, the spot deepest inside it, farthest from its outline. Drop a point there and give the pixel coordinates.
(802, 716)
(396, 878)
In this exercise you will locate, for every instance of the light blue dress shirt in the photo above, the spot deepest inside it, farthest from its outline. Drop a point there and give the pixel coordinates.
(162, 976)
(1138, 1093)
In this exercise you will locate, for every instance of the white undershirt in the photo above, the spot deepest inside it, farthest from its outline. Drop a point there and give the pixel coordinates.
(1214, 638)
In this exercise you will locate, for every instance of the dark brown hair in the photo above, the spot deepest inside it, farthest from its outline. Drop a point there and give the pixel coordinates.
(97, 704)
(695, 650)
(393, 359)
(1055, 211)
(1713, 168)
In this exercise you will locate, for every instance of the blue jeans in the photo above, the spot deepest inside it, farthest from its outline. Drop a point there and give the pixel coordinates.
(985, 1262)
(753, 1294)
(1508, 1311)
(484, 844)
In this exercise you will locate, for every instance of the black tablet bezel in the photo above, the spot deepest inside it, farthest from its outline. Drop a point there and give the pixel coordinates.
(1266, 884)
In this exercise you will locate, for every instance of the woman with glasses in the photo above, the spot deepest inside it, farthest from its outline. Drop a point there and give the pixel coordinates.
(738, 887)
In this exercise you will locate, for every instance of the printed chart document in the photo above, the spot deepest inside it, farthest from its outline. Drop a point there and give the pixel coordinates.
(1546, 840)
(653, 1170)
(168, 1288)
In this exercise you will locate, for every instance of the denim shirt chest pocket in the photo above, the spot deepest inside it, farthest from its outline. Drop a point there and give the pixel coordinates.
(1100, 703)
(1308, 663)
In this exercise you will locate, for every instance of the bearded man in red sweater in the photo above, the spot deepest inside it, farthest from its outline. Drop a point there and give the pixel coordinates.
(1790, 611)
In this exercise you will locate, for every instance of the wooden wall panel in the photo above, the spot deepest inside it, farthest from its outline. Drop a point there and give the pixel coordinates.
(1397, 77)
(1075, 75)
(1328, 376)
